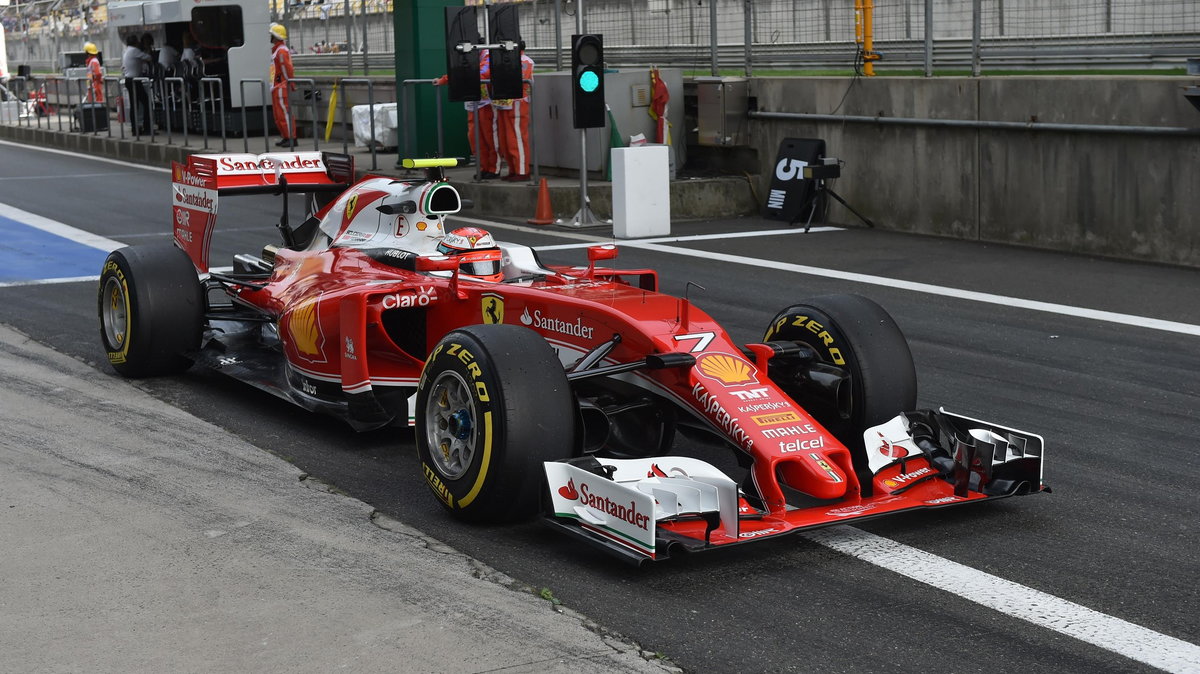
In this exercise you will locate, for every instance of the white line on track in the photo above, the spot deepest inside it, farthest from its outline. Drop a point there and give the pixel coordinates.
(1045, 610)
(930, 289)
(854, 277)
(48, 281)
(61, 176)
(83, 157)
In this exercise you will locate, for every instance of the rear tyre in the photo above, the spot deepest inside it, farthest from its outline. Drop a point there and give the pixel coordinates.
(857, 335)
(492, 405)
(151, 307)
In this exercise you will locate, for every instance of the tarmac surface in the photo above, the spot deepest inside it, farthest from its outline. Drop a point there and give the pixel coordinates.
(121, 552)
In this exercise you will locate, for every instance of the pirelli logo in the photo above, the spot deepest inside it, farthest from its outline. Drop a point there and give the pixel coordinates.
(775, 419)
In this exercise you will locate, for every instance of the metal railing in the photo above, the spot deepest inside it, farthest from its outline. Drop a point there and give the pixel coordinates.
(182, 111)
(370, 113)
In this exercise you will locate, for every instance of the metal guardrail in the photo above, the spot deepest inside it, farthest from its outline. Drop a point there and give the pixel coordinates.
(1109, 51)
(55, 98)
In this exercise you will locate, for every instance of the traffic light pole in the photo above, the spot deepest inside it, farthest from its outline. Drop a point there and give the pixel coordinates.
(584, 216)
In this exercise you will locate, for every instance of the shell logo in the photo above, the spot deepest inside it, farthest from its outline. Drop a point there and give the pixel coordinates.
(306, 332)
(727, 369)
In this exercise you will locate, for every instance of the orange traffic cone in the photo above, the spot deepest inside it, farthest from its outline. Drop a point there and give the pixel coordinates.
(544, 214)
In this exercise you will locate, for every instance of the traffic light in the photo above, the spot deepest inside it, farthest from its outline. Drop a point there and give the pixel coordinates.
(587, 83)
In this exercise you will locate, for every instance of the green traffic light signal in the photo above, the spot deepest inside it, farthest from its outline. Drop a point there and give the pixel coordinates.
(589, 80)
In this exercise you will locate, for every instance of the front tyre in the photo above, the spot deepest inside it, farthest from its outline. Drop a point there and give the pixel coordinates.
(492, 405)
(857, 335)
(151, 308)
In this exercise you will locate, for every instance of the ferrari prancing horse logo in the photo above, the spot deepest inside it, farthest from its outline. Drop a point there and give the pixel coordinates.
(492, 308)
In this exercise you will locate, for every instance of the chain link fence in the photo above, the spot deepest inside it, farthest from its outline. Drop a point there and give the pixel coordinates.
(704, 35)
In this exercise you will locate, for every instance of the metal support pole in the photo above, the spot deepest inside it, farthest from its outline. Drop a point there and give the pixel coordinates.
(828, 21)
(558, 34)
(349, 37)
(928, 38)
(366, 68)
(632, 25)
(583, 217)
(748, 36)
(312, 101)
(976, 31)
(58, 101)
(371, 115)
(404, 117)
(712, 36)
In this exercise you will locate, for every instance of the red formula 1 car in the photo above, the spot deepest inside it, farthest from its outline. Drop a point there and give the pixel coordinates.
(571, 391)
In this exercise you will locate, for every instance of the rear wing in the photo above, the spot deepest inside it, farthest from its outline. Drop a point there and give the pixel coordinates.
(197, 186)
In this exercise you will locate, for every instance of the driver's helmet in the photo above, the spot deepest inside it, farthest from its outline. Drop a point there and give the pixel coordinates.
(476, 251)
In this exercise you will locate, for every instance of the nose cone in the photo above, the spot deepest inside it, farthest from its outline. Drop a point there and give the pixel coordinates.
(815, 474)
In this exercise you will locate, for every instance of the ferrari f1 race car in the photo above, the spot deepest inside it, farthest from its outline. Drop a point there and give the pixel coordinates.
(576, 392)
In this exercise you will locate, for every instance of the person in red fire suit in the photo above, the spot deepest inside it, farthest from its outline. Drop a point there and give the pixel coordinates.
(281, 75)
(512, 118)
(481, 114)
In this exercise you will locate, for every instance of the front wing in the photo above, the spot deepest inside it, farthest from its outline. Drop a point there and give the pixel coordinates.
(652, 508)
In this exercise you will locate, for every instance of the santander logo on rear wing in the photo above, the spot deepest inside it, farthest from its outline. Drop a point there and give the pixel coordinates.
(196, 186)
(234, 171)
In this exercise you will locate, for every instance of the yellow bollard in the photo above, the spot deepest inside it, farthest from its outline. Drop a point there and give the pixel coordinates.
(331, 113)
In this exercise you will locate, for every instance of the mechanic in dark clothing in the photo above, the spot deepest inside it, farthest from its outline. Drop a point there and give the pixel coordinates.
(135, 63)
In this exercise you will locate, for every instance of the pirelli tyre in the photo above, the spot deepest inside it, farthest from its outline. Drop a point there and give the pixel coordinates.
(855, 334)
(151, 306)
(493, 403)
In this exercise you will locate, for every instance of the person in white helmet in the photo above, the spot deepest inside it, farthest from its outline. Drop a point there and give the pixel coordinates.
(281, 76)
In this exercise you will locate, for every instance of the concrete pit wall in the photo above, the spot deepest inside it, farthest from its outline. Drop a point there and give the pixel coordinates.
(1133, 196)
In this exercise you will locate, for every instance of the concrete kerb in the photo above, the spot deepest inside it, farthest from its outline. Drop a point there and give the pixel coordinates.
(177, 535)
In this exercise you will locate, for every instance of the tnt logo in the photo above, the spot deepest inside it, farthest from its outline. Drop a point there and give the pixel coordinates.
(751, 394)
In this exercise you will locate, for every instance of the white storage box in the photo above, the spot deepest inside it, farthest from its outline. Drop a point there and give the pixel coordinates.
(385, 125)
(10, 112)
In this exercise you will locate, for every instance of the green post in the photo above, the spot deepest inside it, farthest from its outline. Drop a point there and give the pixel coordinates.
(420, 30)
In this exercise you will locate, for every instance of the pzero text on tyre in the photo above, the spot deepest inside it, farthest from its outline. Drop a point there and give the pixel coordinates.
(858, 335)
(151, 308)
(493, 403)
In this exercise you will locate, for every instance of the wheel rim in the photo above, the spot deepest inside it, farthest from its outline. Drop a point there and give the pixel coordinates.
(115, 314)
(450, 425)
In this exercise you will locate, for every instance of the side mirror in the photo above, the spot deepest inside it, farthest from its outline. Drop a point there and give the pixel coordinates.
(605, 252)
(404, 207)
(436, 263)
(594, 253)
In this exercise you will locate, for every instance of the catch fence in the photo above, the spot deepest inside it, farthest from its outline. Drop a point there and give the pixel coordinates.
(710, 35)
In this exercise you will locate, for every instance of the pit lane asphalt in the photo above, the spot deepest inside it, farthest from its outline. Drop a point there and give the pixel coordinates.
(1117, 404)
